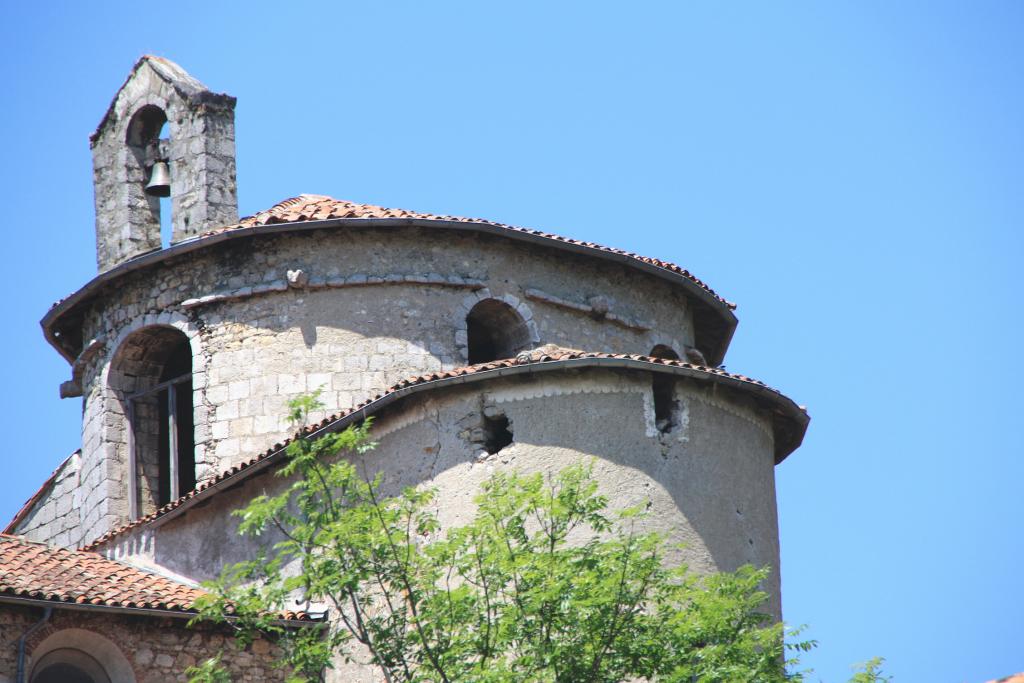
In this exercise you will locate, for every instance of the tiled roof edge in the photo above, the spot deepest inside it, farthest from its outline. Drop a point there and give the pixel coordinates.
(35, 498)
(310, 207)
(269, 223)
(172, 606)
(552, 361)
(289, 619)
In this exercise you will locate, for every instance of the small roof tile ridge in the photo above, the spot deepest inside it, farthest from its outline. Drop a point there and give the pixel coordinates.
(525, 358)
(309, 207)
(34, 498)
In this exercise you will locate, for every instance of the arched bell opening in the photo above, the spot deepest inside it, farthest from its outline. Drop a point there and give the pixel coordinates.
(150, 165)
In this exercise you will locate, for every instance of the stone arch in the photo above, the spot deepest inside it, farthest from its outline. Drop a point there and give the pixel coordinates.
(150, 382)
(493, 327)
(80, 651)
(664, 351)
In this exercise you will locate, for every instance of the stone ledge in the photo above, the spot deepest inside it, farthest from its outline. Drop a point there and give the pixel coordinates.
(314, 283)
(588, 309)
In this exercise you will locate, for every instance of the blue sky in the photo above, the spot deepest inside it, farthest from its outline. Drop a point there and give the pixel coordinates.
(849, 173)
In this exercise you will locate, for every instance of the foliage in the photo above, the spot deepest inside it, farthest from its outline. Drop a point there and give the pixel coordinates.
(208, 671)
(872, 672)
(544, 585)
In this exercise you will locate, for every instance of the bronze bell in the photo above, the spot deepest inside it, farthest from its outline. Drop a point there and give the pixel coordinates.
(159, 180)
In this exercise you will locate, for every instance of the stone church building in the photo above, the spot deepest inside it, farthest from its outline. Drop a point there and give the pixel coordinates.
(476, 347)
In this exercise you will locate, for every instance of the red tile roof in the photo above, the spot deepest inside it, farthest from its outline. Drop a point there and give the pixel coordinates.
(38, 571)
(1015, 678)
(315, 207)
(791, 432)
(41, 572)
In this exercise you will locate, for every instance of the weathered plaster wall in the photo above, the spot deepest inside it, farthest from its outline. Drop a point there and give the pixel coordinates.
(710, 480)
(131, 649)
(379, 305)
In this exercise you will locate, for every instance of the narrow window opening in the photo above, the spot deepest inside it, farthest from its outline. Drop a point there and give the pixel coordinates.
(154, 370)
(494, 330)
(497, 434)
(666, 407)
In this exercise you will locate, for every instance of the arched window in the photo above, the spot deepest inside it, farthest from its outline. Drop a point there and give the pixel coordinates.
(495, 330)
(75, 655)
(152, 371)
(662, 351)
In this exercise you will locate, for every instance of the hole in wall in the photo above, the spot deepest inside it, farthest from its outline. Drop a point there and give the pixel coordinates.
(497, 434)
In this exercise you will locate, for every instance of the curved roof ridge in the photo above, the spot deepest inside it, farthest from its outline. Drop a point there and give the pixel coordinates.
(556, 356)
(714, 319)
(315, 207)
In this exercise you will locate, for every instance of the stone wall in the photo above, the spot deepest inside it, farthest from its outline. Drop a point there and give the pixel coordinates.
(129, 649)
(55, 516)
(709, 479)
(349, 312)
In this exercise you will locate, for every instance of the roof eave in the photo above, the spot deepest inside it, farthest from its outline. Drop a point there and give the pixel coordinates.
(789, 421)
(714, 351)
(7, 598)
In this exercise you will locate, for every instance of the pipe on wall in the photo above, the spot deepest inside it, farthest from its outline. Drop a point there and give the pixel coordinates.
(47, 611)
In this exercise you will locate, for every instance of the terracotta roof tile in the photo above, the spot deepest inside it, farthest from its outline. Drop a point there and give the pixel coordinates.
(536, 356)
(41, 572)
(314, 207)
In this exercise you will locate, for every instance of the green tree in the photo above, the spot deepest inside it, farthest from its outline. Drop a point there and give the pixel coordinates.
(544, 585)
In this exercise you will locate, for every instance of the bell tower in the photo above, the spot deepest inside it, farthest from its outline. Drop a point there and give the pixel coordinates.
(164, 135)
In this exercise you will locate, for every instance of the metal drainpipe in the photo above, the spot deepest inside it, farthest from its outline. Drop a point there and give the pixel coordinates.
(47, 611)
